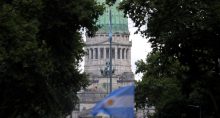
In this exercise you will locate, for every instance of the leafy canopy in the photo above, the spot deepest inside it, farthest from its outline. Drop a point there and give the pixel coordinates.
(187, 31)
(40, 50)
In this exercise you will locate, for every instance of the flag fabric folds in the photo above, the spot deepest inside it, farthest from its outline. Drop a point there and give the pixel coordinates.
(118, 104)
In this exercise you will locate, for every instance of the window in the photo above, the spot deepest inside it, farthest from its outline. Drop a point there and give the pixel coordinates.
(113, 53)
(127, 54)
(96, 53)
(119, 52)
(107, 53)
(87, 52)
(101, 53)
(91, 53)
(123, 53)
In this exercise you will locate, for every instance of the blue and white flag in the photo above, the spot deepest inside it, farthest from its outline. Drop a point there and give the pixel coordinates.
(118, 104)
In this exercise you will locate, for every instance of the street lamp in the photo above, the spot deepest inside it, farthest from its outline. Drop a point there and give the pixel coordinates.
(106, 73)
(110, 48)
(198, 107)
(110, 45)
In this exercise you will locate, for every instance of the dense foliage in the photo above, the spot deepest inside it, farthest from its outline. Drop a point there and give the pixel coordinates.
(160, 85)
(40, 50)
(185, 32)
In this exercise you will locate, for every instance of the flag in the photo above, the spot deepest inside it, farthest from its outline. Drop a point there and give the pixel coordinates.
(118, 104)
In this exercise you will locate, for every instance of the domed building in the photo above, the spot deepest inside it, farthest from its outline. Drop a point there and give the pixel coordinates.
(98, 58)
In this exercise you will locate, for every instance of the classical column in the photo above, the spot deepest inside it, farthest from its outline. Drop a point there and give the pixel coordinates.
(116, 52)
(122, 53)
(87, 55)
(99, 52)
(93, 53)
(127, 53)
(104, 53)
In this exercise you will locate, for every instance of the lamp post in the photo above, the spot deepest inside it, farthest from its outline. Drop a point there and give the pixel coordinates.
(198, 107)
(110, 45)
(110, 48)
(106, 73)
(108, 69)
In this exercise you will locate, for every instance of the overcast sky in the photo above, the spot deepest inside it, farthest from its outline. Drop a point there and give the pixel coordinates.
(140, 48)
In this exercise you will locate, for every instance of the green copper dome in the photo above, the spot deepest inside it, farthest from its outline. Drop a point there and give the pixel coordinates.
(119, 22)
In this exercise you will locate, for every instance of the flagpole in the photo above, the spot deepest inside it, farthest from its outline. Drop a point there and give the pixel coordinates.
(110, 43)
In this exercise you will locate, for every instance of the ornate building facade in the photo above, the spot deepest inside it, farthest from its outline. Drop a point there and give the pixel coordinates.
(98, 56)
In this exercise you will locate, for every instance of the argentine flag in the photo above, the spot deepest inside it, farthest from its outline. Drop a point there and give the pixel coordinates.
(118, 104)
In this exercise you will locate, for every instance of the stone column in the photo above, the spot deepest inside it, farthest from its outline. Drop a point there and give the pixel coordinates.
(99, 51)
(87, 55)
(129, 55)
(93, 53)
(104, 52)
(126, 53)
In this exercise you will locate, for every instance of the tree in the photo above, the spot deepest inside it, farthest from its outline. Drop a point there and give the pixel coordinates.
(160, 85)
(40, 50)
(187, 31)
